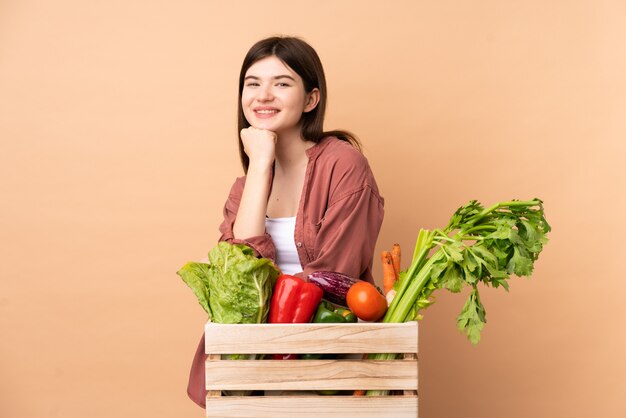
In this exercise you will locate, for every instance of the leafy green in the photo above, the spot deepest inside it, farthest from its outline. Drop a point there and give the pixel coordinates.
(195, 275)
(472, 319)
(477, 246)
(236, 287)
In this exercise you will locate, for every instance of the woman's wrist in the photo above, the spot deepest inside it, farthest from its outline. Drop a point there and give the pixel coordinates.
(260, 167)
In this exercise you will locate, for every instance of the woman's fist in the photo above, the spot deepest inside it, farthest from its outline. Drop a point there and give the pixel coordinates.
(259, 145)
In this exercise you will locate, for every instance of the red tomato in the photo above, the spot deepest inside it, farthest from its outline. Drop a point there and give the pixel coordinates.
(366, 301)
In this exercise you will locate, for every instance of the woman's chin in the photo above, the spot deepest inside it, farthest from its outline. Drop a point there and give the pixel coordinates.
(264, 124)
(277, 128)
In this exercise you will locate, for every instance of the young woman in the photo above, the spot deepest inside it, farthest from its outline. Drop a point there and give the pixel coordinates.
(308, 200)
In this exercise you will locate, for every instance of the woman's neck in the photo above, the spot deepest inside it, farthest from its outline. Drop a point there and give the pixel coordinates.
(291, 152)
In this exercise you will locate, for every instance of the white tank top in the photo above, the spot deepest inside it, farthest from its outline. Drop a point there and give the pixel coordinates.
(282, 231)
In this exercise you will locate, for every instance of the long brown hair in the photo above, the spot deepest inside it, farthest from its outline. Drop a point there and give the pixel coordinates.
(301, 58)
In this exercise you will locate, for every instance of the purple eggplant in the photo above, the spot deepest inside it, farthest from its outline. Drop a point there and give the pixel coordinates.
(335, 285)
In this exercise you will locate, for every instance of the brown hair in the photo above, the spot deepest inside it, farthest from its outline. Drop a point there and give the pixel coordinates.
(301, 58)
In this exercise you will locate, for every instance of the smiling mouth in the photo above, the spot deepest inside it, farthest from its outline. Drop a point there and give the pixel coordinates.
(266, 111)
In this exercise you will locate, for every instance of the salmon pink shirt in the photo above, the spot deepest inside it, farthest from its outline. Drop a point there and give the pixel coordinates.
(337, 224)
(339, 216)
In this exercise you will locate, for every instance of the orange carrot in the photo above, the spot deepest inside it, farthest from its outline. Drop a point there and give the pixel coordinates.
(396, 255)
(389, 274)
(360, 392)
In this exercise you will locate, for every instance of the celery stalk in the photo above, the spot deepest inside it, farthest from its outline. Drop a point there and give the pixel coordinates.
(478, 245)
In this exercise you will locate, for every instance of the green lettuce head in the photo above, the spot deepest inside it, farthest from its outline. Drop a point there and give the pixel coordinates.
(236, 287)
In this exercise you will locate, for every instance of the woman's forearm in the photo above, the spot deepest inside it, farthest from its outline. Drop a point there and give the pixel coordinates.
(250, 221)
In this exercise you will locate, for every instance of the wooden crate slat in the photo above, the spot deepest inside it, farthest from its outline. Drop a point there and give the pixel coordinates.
(214, 357)
(411, 358)
(313, 406)
(311, 338)
(342, 374)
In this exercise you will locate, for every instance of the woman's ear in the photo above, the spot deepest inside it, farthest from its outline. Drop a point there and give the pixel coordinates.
(313, 98)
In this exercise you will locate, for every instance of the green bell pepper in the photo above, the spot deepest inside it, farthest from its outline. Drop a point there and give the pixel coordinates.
(326, 314)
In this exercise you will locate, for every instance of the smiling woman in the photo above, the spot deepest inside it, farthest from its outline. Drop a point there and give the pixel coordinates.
(274, 97)
(309, 200)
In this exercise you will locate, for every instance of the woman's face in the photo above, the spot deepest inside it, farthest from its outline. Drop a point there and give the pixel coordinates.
(274, 97)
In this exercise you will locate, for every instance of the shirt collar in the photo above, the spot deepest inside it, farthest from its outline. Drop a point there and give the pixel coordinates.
(317, 149)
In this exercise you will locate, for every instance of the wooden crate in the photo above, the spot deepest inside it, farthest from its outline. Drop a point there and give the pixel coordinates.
(300, 375)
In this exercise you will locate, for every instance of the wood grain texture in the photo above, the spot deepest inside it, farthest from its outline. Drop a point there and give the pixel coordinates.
(412, 358)
(216, 391)
(311, 338)
(296, 376)
(311, 374)
(313, 406)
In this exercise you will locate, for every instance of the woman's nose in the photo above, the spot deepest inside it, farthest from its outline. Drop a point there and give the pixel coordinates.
(265, 93)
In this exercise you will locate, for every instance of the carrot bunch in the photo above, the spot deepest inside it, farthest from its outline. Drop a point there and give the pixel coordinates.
(391, 266)
(391, 273)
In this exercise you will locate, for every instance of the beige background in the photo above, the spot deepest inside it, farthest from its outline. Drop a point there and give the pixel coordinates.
(118, 146)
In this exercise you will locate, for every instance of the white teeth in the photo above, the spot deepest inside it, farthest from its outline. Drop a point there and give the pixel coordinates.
(267, 111)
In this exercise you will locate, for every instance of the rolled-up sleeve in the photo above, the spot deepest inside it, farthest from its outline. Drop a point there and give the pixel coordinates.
(263, 245)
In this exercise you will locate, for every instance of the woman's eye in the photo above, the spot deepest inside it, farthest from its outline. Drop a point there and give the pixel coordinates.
(283, 85)
(252, 84)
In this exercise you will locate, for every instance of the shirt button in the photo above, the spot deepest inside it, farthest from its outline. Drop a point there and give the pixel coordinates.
(299, 244)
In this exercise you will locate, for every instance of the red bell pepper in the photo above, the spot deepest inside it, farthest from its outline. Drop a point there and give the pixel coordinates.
(293, 301)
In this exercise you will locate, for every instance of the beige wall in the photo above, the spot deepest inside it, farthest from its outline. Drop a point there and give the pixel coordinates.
(117, 124)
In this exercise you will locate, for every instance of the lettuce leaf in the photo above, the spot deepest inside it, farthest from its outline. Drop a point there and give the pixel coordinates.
(196, 276)
(236, 287)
